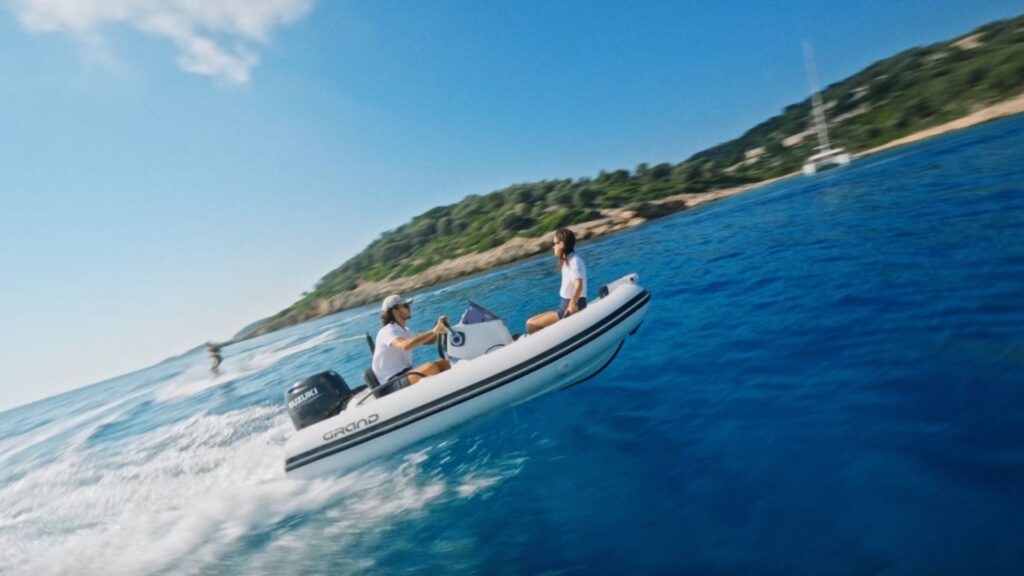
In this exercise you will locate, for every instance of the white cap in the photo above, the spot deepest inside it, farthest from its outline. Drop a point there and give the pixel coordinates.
(393, 301)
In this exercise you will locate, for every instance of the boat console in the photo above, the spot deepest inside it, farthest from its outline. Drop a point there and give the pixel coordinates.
(477, 333)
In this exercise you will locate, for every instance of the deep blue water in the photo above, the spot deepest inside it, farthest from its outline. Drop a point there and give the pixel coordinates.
(829, 382)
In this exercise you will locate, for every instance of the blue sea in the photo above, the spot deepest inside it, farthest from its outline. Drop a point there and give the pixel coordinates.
(830, 381)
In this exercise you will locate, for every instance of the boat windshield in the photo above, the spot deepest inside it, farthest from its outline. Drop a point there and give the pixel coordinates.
(477, 314)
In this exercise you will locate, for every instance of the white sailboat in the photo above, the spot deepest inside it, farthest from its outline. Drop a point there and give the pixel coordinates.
(826, 156)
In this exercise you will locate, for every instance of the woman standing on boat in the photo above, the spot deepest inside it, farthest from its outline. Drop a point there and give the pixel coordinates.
(574, 282)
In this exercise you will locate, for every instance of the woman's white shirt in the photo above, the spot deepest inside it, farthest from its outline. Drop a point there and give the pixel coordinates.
(573, 269)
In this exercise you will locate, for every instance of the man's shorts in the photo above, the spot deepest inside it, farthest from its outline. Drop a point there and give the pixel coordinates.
(395, 383)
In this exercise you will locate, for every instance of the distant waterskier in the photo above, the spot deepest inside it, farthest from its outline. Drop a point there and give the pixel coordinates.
(213, 349)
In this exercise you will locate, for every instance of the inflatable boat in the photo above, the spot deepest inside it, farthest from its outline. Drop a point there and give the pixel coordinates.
(340, 428)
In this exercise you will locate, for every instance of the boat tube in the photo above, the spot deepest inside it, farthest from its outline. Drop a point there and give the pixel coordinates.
(340, 429)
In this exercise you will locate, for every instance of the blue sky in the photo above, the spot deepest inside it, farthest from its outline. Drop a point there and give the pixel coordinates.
(170, 173)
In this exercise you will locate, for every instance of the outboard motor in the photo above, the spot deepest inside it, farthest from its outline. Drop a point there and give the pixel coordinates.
(318, 397)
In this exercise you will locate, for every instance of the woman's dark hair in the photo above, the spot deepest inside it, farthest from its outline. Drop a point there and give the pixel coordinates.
(387, 317)
(568, 239)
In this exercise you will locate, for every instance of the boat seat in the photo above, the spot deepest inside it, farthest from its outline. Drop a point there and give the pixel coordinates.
(370, 379)
(379, 390)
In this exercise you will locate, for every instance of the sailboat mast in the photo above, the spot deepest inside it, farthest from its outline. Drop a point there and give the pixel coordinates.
(818, 110)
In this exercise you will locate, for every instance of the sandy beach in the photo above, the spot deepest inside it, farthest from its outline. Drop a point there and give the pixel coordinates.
(613, 220)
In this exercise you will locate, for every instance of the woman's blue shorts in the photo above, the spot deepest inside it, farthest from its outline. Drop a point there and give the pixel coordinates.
(580, 305)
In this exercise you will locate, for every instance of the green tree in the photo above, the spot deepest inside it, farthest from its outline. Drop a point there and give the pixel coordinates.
(444, 226)
(584, 197)
(514, 222)
(661, 171)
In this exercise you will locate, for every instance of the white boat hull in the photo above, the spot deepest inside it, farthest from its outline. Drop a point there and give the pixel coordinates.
(835, 159)
(561, 355)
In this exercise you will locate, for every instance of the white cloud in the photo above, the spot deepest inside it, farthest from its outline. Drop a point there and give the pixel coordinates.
(216, 38)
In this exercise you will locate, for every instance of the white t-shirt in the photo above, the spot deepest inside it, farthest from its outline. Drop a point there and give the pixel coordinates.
(573, 269)
(389, 360)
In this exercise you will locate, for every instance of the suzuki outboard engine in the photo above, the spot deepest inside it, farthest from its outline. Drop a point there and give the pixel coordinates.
(318, 397)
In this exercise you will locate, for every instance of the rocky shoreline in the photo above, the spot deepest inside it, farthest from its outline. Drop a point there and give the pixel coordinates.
(613, 220)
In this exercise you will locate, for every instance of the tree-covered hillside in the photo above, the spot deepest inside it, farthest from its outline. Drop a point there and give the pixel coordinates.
(906, 93)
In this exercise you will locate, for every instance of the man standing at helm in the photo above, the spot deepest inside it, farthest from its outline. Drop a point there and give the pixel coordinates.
(392, 354)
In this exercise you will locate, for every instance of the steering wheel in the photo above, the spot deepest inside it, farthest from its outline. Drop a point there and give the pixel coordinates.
(442, 346)
(442, 340)
(457, 338)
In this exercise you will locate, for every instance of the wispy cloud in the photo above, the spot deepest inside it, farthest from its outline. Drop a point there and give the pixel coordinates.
(215, 38)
